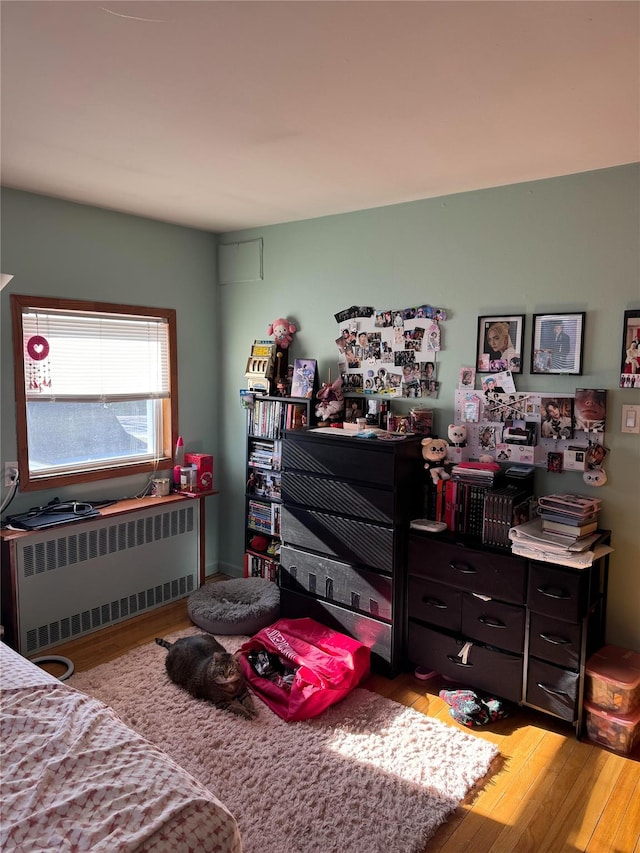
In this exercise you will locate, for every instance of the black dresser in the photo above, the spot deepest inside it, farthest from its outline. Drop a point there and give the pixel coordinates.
(520, 629)
(347, 504)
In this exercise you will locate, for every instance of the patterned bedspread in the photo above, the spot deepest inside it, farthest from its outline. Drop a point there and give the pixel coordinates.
(75, 777)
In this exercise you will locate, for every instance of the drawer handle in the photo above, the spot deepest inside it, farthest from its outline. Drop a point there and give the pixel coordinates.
(560, 594)
(491, 623)
(457, 661)
(463, 568)
(547, 689)
(557, 641)
(435, 602)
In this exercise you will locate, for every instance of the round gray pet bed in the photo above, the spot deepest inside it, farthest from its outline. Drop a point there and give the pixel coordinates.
(237, 606)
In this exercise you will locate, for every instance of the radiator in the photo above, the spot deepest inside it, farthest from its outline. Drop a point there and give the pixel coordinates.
(96, 573)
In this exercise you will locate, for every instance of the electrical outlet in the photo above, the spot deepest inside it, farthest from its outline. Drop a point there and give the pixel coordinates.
(10, 472)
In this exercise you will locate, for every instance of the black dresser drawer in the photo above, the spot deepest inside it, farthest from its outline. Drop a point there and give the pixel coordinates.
(493, 622)
(376, 635)
(557, 592)
(304, 572)
(347, 458)
(555, 640)
(350, 540)
(487, 670)
(435, 603)
(553, 689)
(501, 576)
(367, 502)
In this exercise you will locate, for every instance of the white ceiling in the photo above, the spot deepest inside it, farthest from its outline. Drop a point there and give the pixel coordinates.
(226, 115)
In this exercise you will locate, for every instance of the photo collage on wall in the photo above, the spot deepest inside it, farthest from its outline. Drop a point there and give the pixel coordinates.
(562, 432)
(391, 351)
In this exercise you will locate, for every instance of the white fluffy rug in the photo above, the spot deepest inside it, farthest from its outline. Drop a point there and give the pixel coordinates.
(367, 775)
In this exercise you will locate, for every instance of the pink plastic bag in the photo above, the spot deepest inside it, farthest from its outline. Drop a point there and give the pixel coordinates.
(327, 665)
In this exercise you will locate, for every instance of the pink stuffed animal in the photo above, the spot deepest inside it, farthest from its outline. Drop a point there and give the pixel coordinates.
(282, 331)
(331, 401)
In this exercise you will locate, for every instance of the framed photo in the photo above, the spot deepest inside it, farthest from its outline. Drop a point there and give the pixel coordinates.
(500, 343)
(303, 382)
(557, 343)
(630, 364)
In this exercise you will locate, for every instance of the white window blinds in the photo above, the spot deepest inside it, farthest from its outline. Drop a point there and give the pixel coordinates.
(93, 357)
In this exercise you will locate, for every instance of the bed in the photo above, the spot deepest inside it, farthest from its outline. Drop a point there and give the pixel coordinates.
(75, 777)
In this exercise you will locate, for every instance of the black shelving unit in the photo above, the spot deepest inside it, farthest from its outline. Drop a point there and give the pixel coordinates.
(267, 421)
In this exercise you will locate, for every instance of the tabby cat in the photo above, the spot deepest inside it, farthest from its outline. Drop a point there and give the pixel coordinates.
(203, 667)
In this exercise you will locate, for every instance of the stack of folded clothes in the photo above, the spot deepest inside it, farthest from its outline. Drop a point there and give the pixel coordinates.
(470, 709)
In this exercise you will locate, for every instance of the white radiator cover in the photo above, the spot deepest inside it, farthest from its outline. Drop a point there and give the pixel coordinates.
(76, 579)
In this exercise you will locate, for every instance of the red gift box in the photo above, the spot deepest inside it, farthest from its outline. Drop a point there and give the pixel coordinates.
(204, 469)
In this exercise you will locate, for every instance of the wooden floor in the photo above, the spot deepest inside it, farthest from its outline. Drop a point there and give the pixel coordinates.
(551, 792)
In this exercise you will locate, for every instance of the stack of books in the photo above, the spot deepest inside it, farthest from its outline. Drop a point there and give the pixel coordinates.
(565, 530)
(504, 509)
(264, 517)
(459, 501)
(573, 516)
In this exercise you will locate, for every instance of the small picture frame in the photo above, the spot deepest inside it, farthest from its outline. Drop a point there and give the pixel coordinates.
(500, 343)
(557, 343)
(303, 382)
(630, 364)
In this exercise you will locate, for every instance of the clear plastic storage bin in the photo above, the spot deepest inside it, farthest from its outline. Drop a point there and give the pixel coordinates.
(613, 680)
(619, 732)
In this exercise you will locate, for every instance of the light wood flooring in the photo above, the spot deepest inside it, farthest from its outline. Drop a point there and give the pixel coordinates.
(551, 792)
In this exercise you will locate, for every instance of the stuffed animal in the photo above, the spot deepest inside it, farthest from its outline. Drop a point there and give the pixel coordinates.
(434, 452)
(282, 331)
(331, 401)
(595, 477)
(457, 434)
(259, 543)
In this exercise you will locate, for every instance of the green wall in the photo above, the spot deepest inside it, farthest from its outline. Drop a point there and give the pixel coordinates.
(58, 249)
(565, 244)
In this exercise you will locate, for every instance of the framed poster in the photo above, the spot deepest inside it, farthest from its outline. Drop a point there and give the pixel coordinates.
(630, 364)
(303, 381)
(500, 343)
(557, 343)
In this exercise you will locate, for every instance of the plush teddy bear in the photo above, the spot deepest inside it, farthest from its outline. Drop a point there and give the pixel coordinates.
(434, 452)
(282, 331)
(457, 434)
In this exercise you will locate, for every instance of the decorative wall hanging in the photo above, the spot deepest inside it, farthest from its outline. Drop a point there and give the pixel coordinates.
(389, 351)
(533, 428)
(38, 369)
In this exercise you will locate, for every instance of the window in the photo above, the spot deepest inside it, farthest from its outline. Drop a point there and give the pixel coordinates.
(96, 393)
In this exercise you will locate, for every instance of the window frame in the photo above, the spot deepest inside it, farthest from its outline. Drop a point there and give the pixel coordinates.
(108, 470)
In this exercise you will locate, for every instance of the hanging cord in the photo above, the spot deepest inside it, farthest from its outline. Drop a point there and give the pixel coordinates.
(11, 495)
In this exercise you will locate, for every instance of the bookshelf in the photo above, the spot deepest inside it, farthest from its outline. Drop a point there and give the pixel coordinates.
(268, 418)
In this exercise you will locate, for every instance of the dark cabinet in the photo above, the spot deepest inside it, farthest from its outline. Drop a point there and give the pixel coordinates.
(475, 598)
(347, 504)
(566, 610)
(505, 625)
